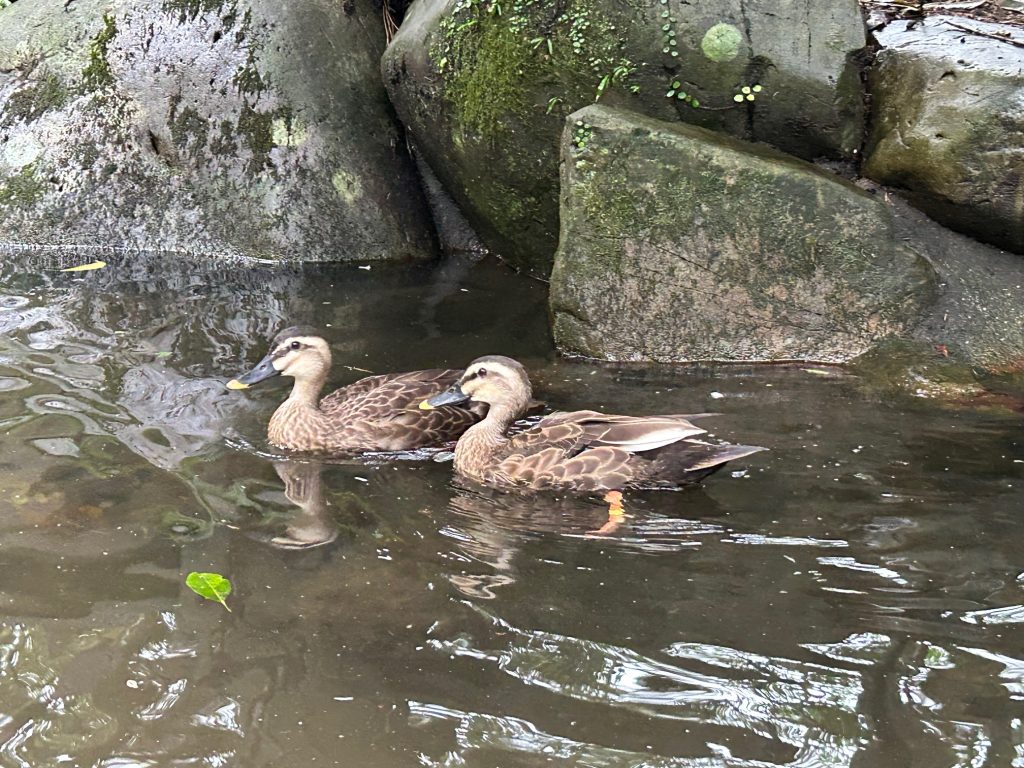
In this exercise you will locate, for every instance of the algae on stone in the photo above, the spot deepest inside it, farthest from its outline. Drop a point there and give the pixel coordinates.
(949, 126)
(680, 244)
(483, 86)
(193, 125)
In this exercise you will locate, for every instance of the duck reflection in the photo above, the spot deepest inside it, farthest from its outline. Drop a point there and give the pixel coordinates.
(312, 519)
(489, 528)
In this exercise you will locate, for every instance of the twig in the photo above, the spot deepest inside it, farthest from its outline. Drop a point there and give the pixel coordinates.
(1010, 40)
(390, 27)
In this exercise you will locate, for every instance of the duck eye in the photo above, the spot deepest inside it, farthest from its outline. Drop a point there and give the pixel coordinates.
(482, 372)
(295, 345)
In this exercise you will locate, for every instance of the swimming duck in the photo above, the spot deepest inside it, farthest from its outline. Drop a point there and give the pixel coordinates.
(377, 413)
(582, 451)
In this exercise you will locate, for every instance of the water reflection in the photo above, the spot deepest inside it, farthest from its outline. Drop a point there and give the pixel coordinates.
(853, 599)
(809, 709)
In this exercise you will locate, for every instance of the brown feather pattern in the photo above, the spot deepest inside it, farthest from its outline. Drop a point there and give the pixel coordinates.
(376, 413)
(581, 450)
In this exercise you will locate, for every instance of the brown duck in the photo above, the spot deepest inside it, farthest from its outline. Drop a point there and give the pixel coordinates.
(581, 451)
(377, 413)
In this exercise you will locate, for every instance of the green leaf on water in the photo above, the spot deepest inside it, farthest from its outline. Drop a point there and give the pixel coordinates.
(212, 586)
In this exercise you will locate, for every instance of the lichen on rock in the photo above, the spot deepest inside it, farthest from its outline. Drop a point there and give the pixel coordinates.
(741, 253)
(192, 125)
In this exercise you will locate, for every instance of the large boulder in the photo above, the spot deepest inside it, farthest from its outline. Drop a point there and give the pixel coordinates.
(681, 244)
(226, 126)
(484, 88)
(948, 98)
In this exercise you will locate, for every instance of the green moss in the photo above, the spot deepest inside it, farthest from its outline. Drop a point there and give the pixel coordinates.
(88, 154)
(488, 82)
(248, 79)
(97, 73)
(189, 9)
(223, 142)
(256, 130)
(498, 59)
(21, 190)
(31, 102)
(189, 129)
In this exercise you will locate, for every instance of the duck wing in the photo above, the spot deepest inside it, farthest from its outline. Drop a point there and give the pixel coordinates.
(576, 431)
(382, 412)
(587, 450)
(381, 396)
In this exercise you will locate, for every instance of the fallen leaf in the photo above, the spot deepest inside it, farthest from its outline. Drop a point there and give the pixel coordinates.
(86, 267)
(212, 586)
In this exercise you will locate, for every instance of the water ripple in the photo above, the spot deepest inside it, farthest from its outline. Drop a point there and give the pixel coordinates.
(476, 731)
(810, 707)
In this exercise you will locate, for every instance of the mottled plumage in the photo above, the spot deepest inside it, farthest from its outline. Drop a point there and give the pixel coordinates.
(579, 451)
(377, 413)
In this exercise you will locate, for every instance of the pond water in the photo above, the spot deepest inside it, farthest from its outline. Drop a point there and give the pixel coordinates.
(854, 597)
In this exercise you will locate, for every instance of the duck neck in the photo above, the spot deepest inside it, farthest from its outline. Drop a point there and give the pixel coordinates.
(305, 392)
(298, 415)
(487, 437)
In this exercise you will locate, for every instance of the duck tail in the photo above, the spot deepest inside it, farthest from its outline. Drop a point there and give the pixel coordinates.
(690, 461)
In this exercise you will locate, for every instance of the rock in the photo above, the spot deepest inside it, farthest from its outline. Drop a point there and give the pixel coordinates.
(949, 124)
(485, 94)
(976, 320)
(237, 127)
(681, 244)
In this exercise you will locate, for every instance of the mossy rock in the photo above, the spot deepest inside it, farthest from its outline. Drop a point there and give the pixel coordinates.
(680, 244)
(949, 124)
(211, 126)
(484, 86)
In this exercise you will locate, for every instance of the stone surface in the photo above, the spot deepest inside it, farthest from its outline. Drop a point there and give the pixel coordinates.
(485, 95)
(681, 244)
(239, 127)
(949, 124)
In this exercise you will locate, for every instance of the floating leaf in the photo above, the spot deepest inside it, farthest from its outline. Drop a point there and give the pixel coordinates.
(670, 94)
(750, 97)
(745, 89)
(757, 89)
(737, 97)
(86, 267)
(212, 586)
(694, 103)
(676, 83)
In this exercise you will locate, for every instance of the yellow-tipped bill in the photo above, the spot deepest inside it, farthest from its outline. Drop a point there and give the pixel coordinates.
(424, 406)
(236, 384)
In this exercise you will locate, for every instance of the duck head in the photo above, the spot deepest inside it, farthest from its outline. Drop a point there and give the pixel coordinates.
(299, 352)
(495, 380)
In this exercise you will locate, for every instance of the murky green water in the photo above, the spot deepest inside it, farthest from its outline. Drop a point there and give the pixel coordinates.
(854, 597)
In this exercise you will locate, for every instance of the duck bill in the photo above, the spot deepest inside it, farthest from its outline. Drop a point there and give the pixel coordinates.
(451, 396)
(264, 370)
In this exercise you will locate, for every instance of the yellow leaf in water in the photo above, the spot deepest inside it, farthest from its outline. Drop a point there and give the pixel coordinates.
(86, 267)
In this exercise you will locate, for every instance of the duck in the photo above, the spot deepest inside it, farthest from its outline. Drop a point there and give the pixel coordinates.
(576, 451)
(373, 414)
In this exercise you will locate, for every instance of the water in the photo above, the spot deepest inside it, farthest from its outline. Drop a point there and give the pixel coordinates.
(852, 598)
